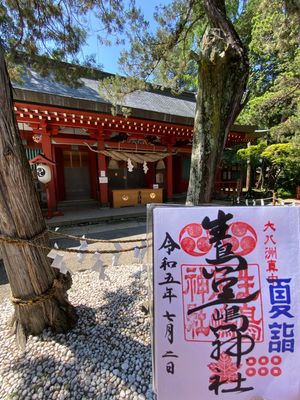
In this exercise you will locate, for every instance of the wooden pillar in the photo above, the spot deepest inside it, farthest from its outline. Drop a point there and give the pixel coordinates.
(169, 177)
(102, 172)
(93, 174)
(59, 160)
(150, 176)
(49, 153)
(54, 131)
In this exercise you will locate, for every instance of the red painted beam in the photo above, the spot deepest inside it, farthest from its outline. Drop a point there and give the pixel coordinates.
(75, 141)
(37, 114)
(92, 116)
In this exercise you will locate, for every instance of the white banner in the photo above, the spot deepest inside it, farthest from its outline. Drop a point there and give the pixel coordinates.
(226, 300)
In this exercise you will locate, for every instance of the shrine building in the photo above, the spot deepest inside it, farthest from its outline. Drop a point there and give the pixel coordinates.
(115, 160)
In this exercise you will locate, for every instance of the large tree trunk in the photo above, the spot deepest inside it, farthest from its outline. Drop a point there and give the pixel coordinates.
(222, 77)
(28, 268)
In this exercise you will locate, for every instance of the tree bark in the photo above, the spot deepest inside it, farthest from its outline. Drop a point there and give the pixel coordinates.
(28, 268)
(222, 77)
(248, 172)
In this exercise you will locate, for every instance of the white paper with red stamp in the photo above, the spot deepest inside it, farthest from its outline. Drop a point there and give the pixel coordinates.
(226, 302)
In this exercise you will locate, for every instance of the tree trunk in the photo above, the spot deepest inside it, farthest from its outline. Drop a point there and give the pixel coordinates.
(222, 77)
(28, 268)
(248, 172)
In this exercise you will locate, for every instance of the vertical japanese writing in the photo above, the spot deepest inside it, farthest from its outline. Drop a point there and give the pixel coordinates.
(282, 329)
(170, 294)
(270, 250)
(225, 307)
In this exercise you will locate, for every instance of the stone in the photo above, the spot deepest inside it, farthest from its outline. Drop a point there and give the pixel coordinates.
(125, 366)
(95, 360)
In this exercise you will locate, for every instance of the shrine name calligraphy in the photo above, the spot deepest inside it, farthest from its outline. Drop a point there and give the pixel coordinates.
(223, 278)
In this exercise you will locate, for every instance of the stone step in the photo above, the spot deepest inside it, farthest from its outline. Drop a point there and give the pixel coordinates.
(85, 203)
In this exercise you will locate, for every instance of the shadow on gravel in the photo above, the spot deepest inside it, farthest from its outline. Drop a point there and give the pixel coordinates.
(106, 353)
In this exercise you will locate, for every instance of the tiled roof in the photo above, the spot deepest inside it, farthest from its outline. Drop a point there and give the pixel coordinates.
(155, 101)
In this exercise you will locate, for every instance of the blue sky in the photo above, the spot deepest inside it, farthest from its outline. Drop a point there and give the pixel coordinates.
(108, 56)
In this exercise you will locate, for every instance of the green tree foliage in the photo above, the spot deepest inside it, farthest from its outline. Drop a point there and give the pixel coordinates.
(171, 56)
(194, 46)
(277, 165)
(38, 32)
(269, 29)
(254, 153)
(115, 87)
(191, 38)
(272, 31)
(48, 34)
(283, 166)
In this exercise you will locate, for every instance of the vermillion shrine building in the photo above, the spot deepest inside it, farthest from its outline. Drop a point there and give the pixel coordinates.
(115, 160)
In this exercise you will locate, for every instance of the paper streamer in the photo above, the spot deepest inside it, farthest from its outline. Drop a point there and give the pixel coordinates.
(59, 264)
(83, 246)
(142, 252)
(96, 256)
(52, 254)
(116, 256)
(80, 258)
(118, 246)
(129, 165)
(98, 267)
(56, 263)
(64, 270)
(136, 252)
(143, 268)
(145, 167)
(114, 260)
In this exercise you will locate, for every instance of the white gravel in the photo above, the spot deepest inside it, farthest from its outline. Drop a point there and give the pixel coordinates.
(106, 356)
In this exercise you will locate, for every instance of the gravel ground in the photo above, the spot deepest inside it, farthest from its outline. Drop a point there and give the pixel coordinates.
(106, 356)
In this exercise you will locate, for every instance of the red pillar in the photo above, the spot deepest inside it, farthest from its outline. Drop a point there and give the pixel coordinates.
(102, 172)
(93, 174)
(53, 131)
(169, 177)
(60, 176)
(49, 153)
(150, 176)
